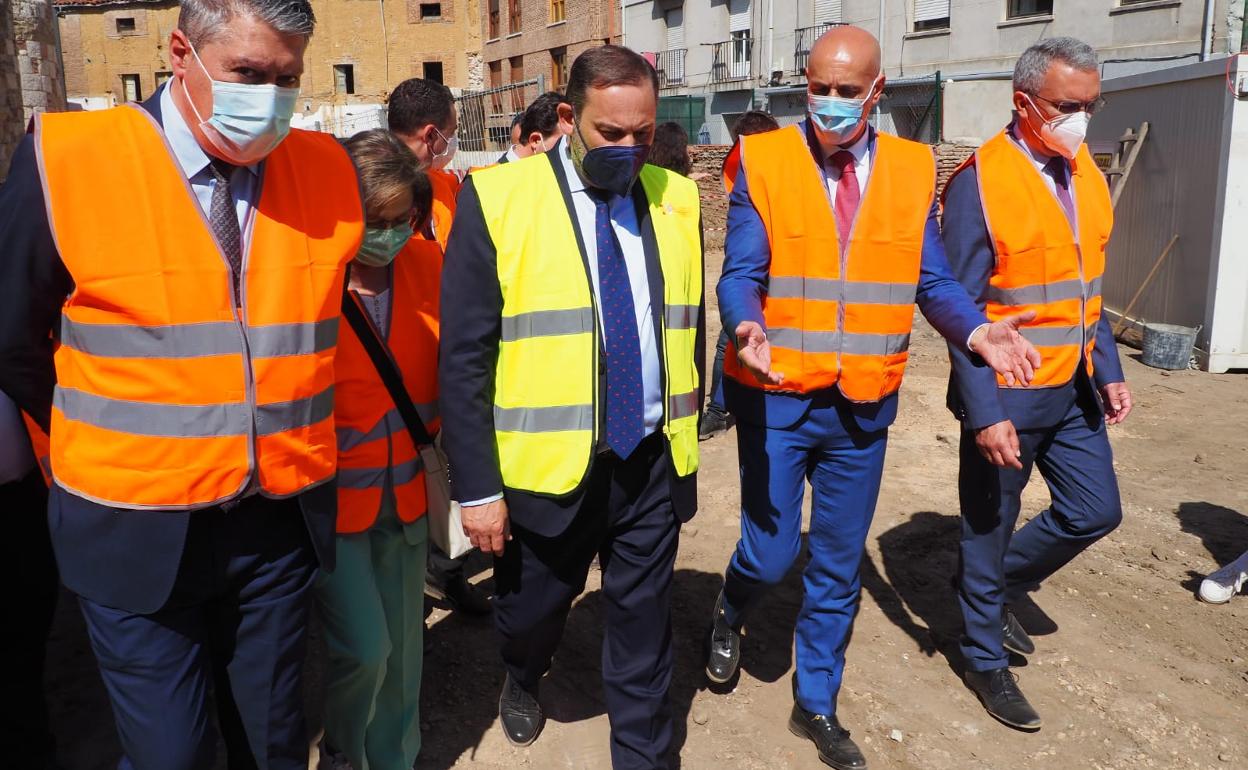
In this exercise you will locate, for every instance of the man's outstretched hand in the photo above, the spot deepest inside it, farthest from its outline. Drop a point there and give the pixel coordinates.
(1006, 351)
(754, 353)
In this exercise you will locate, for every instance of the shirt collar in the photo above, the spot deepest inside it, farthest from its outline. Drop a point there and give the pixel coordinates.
(511, 155)
(190, 156)
(858, 149)
(1041, 160)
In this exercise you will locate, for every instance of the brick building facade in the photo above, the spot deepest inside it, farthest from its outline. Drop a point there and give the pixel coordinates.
(117, 50)
(525, 39)
(11, 122)
(30, 70)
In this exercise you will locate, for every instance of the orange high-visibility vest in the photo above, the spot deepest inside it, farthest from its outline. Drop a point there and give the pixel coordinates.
(372, 438)
(838, 315)
(39, 445)
(1042, 264)
(445, 188)
(169, 395)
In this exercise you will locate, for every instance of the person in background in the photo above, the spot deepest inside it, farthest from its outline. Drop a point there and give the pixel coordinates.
(715, 418)
(1026, 223)
(30, 583)
(671, 149)
(1219, 587)
(832, 242)
(422, 114)
(570, 379)
(515, 135)
(371, 606)
(539, 125)
(189, 404)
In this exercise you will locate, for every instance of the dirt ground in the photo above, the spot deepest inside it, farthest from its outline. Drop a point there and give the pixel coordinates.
(1131, 670)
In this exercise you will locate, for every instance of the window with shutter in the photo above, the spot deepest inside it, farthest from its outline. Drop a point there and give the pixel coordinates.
(827, 11)
(675, 19)
(931, 14)
(738, 15)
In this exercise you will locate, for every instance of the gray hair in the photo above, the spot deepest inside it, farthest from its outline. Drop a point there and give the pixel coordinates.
(1033, 65)
(203, 20)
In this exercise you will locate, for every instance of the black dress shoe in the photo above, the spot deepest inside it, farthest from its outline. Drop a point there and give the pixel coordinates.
(459, 593)
(998, 691)
(520, 714)
(723, 654)
(832, 740)
(714, 423)
(1014, 638)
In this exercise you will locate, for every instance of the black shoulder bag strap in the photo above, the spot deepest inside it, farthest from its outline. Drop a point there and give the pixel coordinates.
(389, 371)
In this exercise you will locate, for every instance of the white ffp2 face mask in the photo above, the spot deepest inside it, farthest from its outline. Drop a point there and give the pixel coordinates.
(248, 121)
(1063, 134)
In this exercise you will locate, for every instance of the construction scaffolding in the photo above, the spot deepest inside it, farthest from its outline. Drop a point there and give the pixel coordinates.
(485, 120)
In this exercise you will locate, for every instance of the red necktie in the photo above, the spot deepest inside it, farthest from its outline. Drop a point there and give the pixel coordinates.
(847, 195)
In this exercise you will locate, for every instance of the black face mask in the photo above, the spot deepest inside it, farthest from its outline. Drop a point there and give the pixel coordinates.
(611, 167)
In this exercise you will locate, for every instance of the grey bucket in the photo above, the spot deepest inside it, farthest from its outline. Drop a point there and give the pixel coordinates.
(1168, 346)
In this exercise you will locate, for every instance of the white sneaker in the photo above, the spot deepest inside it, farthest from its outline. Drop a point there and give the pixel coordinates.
(1220, 586)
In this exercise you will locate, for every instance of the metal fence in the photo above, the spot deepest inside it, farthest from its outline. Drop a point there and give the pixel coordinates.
(730, 60)
(803, 40)
(485, 120)
(911, 108)
(670, 65)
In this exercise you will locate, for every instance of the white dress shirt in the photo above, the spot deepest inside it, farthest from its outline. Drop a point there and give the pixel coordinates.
(1041, 161)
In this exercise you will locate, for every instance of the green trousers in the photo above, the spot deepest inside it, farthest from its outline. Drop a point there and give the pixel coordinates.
(373, 610)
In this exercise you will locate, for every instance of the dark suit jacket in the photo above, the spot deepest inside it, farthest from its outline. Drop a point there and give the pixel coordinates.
(974, 397)
(471, 308)
(743, 287)
(117, 557)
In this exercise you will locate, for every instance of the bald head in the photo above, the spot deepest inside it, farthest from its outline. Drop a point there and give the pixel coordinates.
(845, 46)
(844, 63)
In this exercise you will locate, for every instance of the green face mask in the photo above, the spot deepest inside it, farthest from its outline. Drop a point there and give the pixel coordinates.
(382, 244)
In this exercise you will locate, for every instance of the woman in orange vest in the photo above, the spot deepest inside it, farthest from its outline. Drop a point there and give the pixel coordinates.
(372, 603)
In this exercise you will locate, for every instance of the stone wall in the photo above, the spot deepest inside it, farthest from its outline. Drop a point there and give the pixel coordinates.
(12, 121)
(948, 157)
(38, 56)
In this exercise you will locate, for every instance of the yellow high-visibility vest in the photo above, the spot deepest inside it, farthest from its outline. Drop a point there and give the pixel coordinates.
(546, 410)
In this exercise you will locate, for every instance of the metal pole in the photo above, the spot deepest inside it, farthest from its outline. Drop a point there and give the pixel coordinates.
(1243, 33)
(1206, 32)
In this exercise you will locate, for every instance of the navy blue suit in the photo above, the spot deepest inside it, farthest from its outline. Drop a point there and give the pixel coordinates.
(166, 592)
(627, 512)
(784, 439)
(1061, 431)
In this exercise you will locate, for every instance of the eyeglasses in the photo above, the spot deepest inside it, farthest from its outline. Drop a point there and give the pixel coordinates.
(381, 224)
(1070, 108)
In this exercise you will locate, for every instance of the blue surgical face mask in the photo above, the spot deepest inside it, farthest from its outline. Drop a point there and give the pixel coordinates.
(611, 167)
(382, 244)
(248, 121)
(836, 118)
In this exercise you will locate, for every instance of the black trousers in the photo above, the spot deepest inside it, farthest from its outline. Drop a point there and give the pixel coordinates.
(626, 519)
(28, 575)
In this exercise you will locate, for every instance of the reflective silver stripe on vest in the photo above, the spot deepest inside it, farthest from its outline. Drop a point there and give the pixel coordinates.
(682, 405)
(288, 415)
(547, 323)
(350, 438)
(1036, 294)
(837, 342)
(830, 290)
(217, 338)
(147, 419)
(544, 419)
(1094, 287)
(680, 317)
(126, 341)
(1052, 336)
(375, 478)
(292, 339)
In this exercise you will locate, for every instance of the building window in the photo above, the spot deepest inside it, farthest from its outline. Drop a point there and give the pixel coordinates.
(125, 25)
(558, 11)
(432, 70)
(517, 76)
(344, 78)
(163, 77)
(493, 8)
(931, 14)
(1021, 9)
(496, 83)
(430, 11)
(513, 15)
(558, 68)
(131, 88)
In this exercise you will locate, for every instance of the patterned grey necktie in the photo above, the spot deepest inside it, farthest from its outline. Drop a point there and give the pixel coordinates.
(224, 219)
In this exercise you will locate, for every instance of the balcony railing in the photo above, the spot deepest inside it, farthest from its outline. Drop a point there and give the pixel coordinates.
(805, 40)
(671, 67)
(731, 60)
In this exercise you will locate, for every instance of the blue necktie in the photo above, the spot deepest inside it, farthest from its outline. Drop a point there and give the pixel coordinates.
(625, 402)
(1057, 169)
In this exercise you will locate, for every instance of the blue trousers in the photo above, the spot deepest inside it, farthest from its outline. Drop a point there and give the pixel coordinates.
(240, 602)
(998, 564)
(843, 465)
